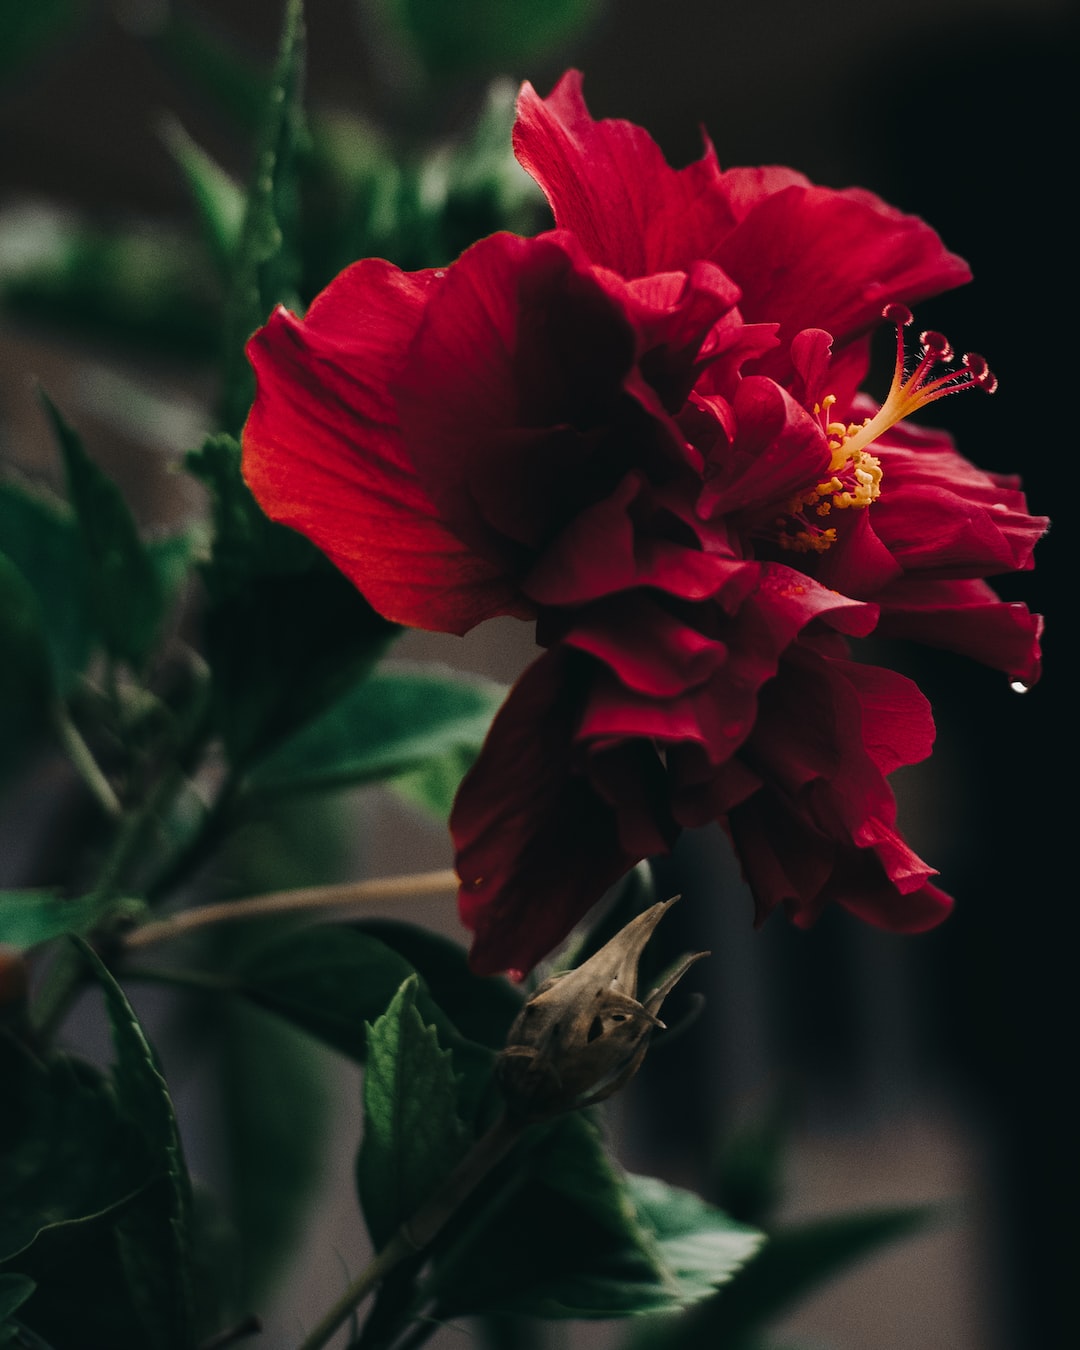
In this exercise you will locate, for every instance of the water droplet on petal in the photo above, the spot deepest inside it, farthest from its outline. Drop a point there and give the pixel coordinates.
(1019, 687)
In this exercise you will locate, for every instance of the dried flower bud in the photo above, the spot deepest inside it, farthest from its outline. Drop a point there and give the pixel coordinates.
(583, 1034)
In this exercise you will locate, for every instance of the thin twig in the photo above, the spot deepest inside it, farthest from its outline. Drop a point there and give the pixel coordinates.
(414, 1235)
(356, 894)
(82, 758)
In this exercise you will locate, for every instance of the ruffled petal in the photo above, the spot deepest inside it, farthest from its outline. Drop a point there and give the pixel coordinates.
(940, 515)
(609, 183)
(789, 863)
(718, 714)
(646, 647)
(537, 842)
(778, 451)
(965, 617)
(811, 257)
(602, 551)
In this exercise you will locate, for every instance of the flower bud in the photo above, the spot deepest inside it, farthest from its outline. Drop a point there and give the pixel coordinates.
(583, 1033)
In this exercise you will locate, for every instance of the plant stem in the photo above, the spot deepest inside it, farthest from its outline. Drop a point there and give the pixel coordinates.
(87, 766)
(416, 1233)
(421, 1331)
(66, 974)
(209, 831)
(303, 899)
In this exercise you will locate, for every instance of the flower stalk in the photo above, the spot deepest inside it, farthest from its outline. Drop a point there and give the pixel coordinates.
(303, 900)
(418, 1232)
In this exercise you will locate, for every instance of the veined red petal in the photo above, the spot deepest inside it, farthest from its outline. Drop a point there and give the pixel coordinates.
(812, 257)
(323, 453)
(609, 183)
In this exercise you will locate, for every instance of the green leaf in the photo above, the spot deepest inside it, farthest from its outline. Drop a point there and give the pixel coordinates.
(352, 181)
(196, 50)
(794, 1262)
(624, 1246)
(800, 1258)
(154, 1241)
(484, 35)
(14, 1291)
(67, 1153)
(400, 719)
(26, 29)
(330, 980)
(701, 1244)
(412, 1135)
(76, 1171)
(148, 287)
(41, 538)
(28, 918)
(286, 633)
(266, 267)
(480, 1007)
(25, 676)
(171, 556)
(124, 590)
(218, 199)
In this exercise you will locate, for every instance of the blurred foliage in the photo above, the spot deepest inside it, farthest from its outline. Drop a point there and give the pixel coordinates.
(454, 38)
(28, 31)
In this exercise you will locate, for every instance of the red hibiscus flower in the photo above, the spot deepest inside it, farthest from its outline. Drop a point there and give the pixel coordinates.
(642, 429)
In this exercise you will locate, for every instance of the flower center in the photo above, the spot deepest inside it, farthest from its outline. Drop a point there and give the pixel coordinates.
(854, 481)
(855, 478)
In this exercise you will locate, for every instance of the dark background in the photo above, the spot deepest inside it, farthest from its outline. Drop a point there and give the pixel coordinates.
(946, 1059)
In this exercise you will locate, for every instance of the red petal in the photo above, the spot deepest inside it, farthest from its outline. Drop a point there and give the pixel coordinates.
(779, 450)
(718, 715)
(788, 862)
(940, 514)
(609, 183)
(810, 257)
(649, 649)
(537, 844)
(965, 617)
(323, 453)
(601, 552)
(513, 401)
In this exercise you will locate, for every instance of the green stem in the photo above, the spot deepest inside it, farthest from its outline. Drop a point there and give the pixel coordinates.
(416, 1234)
(421, 1331)
(87, 766)
(396, 1250)
(209, 832)
(64, 978)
